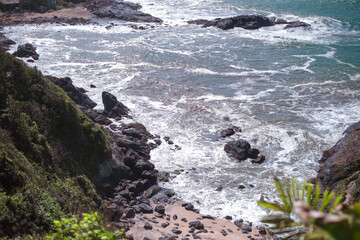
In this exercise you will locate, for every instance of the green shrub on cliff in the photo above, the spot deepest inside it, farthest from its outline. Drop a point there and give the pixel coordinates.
(89, 228)
(48, 152)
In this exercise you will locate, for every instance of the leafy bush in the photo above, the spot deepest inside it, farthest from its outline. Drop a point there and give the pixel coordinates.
(89, 228)
(306, 214)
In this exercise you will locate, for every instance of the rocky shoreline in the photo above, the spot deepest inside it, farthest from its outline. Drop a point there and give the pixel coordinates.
(128, 180)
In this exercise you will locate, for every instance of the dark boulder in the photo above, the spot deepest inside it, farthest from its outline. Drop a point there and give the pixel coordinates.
(26, 50)
(160, 209)
(247, 22)
(253, 153)
(237, 149)
(227, 132)
(196, 224)
(113, 107)
(243, 21)
(147, 226)
(145, 208)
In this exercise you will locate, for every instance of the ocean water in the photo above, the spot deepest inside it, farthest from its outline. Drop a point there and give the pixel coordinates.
(293, 92)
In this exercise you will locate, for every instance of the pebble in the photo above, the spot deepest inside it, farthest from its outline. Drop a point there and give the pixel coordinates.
(175, 217)
(147, 226)
(164, 225)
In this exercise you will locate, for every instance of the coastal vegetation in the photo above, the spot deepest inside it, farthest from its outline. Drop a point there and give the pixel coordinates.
(49, 151)
(306, 213)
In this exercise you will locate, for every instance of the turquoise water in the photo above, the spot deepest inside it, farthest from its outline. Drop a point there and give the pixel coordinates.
(293, 92)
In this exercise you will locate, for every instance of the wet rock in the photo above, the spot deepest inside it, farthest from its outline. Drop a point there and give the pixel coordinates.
(253, 153)
(196, 224)
(184, 219)
(147, 226)
(175, 217)
(26, 50)
(241, 186)
(237, 149)
(126, 11)
(113, 107)
(160, 209)
(297, 24)
(92, 86)
(227, 132)
(260, 159)
(228, 217)
(219, 189)
(5, 42)
(243, 21)
(188, 206)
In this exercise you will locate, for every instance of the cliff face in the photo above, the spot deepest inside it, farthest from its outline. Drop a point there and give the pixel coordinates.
(340, 170)
(49, 150)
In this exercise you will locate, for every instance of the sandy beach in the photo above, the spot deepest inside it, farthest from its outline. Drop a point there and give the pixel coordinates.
(178, 221)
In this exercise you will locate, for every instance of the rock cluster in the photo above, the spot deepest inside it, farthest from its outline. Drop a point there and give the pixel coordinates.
(246, 22)
(241, 150)
(126, 11)
(40, 20)
(26, 50)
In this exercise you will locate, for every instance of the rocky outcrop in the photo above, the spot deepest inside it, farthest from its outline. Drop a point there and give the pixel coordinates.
(126, 11)
(246, 22)
(340, 169)
(4, 21)
(26, 50)
(241, 150)
(5, 42)
(128, 172)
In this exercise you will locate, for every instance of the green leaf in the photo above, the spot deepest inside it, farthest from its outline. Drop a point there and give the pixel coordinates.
(336, 202)
(272, 206)
(317, 195)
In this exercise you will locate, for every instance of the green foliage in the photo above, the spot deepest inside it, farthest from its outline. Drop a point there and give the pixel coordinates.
(304, 217)
(89, 228)
(48, 151)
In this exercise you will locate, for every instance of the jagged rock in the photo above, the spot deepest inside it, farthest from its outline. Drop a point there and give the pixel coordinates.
(340, 169)
(5, 42)
(73, 92)
(126, 11)
(26, 50)
(113, 107)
